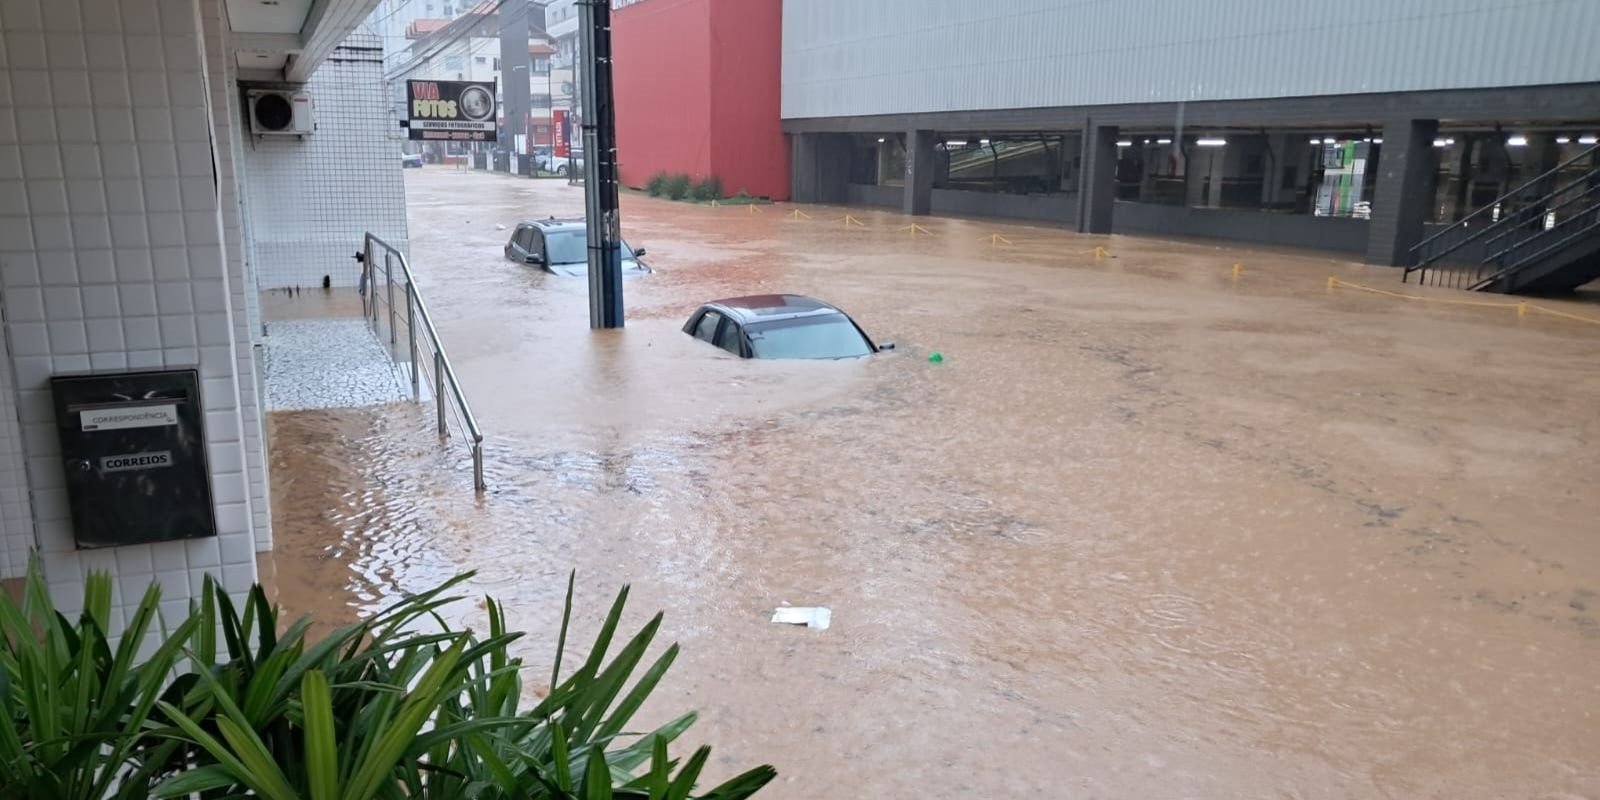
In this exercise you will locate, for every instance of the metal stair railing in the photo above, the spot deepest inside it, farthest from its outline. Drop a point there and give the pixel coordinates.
(447, 393)
(1520, 228)
(1568, 231)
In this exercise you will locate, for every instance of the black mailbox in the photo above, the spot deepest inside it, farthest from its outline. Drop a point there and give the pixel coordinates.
(134, 449)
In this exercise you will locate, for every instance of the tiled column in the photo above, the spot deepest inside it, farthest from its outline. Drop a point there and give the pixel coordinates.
(1099, 188)
(919, 173)
(1404, 192)
(111, 258)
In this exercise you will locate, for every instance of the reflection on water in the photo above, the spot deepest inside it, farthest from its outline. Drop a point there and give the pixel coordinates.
(1146, 532)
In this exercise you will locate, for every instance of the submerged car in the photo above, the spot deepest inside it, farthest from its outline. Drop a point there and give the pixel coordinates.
(561, 247)
(411, 161)
(780, 326)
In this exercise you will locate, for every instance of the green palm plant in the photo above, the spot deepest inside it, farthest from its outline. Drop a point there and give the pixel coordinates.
(232, 704)
(376, 710)
(77, 706)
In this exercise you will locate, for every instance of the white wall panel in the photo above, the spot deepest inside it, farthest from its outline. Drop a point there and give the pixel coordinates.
(849, 58)
(311, 199)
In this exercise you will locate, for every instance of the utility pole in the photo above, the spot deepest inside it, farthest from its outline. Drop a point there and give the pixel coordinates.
(604, 221)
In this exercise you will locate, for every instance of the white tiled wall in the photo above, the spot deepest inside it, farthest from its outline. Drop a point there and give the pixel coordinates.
(311, 199)
(111, 257)
(221, 71)
(16, 515)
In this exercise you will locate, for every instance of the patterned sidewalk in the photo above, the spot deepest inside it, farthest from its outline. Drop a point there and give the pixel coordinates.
(327, 363)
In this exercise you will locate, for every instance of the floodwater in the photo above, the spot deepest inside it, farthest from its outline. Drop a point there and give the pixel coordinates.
(1149, 530)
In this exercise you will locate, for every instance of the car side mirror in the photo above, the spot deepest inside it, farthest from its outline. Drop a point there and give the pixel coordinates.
(534, 258)
(885, 347)
(638, 251)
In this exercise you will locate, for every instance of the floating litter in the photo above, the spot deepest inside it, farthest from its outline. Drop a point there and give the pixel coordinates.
(810, 617)
(936, 357)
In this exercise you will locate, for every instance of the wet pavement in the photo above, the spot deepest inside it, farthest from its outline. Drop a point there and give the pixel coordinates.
(1149, 530)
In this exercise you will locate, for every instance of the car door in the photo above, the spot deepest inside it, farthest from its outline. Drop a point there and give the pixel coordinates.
(536, 246)
(731, 338)
(705, 329)
(518, 249)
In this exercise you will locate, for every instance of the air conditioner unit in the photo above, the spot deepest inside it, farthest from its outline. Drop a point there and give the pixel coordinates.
(278, 112)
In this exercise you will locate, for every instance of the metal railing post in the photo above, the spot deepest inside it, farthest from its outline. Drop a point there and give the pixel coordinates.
(438, 386)
(367, 308)
(411, 332)
(388, 278)
(477, 466)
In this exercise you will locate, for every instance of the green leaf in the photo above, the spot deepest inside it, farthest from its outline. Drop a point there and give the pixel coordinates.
(743, 785)
(561, 640)
(322, 755)
(195, 781)
(597, 782)
(684, 783)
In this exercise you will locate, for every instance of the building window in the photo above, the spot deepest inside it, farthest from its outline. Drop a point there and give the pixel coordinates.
(540, 101)
(453, 63)
(541, 66)
(482, 59)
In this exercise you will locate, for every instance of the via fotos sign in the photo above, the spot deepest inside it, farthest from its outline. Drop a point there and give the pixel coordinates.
(452, 111)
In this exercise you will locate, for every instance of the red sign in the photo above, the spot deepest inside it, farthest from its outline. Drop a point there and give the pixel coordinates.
(563, 147)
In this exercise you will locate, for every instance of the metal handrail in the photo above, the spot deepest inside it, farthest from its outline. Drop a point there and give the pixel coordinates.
(1498, 200)
(443, 373)
(1570, 237)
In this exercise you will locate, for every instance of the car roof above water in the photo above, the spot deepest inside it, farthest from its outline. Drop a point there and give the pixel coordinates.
(553, 224)
(770, 307)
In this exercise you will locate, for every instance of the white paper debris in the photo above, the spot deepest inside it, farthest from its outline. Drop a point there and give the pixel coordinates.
(811, 617)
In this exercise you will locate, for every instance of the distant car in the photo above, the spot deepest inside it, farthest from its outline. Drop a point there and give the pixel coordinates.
(411, 161)
(780, 326)
(561, 247)
(562, 165)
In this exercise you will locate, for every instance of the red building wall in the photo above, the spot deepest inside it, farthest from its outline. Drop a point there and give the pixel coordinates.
(749, 151)
(662, 78)
(697, 85)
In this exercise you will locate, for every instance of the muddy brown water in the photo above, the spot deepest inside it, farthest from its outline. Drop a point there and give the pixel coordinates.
(1148, 531)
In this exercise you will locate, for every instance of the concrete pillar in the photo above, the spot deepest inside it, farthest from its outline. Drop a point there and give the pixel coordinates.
(919, 173)
(821, 171)
(1404, 191)
(1099, 188)
(515, 66)
(1278, 163)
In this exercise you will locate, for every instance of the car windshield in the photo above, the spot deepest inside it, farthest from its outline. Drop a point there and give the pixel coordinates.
(572, 247)
(832, 336)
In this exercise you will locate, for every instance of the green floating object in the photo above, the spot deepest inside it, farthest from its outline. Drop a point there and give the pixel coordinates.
(936, 357)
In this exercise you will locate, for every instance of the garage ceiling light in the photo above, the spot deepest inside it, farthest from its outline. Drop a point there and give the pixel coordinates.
(956, 143)
(1517, 141)
(1590, 139)
(1124, 143)
(1163, 141)
(1563, 140)
(1318, 141)
(1211, 142)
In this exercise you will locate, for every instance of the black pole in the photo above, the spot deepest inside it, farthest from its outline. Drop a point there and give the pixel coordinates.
(600, 169)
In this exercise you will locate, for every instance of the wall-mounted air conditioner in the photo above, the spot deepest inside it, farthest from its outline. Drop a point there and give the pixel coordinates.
(279, 112)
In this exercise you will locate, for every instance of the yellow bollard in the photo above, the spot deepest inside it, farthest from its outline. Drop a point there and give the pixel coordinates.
(914, 229)
(1100, 252)
(1332, 282)
(1522, 309)
(849, 220)
(798, 214)
(754, 209)
(1236, 272)
(995, 240)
